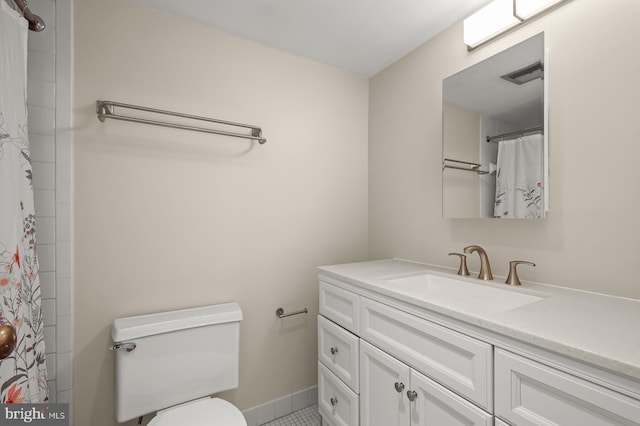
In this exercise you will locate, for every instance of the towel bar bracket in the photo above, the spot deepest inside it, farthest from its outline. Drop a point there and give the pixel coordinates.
(103, 109)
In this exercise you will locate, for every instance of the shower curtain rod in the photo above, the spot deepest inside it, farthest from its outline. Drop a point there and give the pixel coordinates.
(106, 109)
(36, 23)
(517, 133)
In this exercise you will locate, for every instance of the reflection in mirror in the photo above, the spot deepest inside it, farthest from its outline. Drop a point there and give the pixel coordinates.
(494, 143)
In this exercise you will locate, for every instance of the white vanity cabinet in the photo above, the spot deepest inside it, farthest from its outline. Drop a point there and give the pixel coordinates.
(529, 393)
(393, 394)
(385, 361)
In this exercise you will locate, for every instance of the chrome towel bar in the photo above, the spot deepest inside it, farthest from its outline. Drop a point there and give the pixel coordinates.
(467, 166)
(281, 314)
(106, 109)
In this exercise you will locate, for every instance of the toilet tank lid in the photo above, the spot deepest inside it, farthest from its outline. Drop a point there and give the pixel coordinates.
(163, 322)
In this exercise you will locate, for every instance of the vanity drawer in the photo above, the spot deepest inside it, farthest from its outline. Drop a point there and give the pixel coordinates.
(458, 362)
(340, 306)
(336, 402)
(339, 352)
(530, 393)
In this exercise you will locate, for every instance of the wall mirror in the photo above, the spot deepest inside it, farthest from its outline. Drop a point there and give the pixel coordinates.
(495, 143)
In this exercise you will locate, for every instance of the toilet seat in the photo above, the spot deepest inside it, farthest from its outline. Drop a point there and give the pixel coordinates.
(202, 412)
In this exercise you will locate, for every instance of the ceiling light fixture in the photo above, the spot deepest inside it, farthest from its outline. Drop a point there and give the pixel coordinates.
(501, 16)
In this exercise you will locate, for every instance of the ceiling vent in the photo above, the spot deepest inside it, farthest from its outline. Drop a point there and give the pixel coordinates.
(526, 74)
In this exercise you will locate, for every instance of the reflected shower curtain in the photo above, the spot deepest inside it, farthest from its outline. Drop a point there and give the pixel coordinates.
(23, 375)
(519, 178)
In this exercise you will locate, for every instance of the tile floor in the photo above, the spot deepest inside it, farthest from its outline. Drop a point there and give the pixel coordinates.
(306, 417)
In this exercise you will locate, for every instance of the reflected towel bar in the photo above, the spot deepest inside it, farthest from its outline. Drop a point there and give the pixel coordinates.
(281, 314)
(473, 167)
(106, 109)
(518, 133)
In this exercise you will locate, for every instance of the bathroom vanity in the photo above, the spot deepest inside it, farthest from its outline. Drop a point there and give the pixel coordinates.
(403, 343)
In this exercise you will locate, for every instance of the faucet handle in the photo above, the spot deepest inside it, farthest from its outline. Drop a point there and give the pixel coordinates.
(462, 270)
(512, 279)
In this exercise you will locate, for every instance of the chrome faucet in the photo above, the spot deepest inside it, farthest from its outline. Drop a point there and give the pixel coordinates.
(485, 268)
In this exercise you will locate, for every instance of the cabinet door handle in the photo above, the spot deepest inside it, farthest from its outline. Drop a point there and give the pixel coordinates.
(399, 387)
(412, 395)
(333, 401)
(334, 350)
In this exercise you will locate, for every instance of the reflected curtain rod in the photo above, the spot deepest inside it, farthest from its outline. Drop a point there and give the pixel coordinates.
(517, 133)
(36, 23)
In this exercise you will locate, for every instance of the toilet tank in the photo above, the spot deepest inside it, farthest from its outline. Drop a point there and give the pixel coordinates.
(178, 356)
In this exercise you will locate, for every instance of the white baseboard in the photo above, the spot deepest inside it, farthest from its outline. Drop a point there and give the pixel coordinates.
(281, 407)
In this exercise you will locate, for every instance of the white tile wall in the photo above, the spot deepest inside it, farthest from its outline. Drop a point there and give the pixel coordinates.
(62, 10)
(49, 108)
(45, 200)
(43, 147)
(46, 254)
(44, 174)
(41, 66)
(48, 285)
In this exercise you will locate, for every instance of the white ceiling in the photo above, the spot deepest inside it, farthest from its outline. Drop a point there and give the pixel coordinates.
(363, 36)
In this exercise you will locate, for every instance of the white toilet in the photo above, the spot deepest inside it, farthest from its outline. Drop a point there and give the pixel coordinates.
(173, 361)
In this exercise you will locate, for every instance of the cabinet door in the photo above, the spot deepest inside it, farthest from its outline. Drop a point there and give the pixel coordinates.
(528, 393)
(436, 406)
(384, 382)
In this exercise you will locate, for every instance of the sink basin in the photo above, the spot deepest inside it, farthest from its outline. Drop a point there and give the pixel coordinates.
(461, 295)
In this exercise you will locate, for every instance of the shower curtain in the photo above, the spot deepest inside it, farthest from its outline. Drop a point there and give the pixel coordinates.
(519, 172)
(23, 375)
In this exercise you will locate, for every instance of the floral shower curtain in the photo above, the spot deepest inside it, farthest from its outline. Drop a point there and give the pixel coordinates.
(519, 178)
(23, 375)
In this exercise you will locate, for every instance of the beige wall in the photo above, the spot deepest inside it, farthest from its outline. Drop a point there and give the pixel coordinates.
(590, 239)
(168, 219)
(460, 129)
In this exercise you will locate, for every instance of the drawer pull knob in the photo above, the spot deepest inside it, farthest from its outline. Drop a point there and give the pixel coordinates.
(334, 401)
(334, 350)
(412, 395)
(399, 387)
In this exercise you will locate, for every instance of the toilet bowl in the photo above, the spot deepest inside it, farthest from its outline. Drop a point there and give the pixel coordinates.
(202, 412)
(170, 363)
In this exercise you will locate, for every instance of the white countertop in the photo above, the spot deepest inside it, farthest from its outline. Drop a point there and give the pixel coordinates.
(598, 329)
